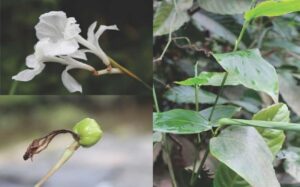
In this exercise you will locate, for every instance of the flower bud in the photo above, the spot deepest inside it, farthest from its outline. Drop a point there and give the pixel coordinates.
(89, 132)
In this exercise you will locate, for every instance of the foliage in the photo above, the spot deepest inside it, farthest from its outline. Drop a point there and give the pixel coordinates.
(237, 67)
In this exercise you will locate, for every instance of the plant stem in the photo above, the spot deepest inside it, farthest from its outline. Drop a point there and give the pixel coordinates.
(170, 34)
(226, 74)
(169, 161)
(128, 72)
(245, 25)
(257, 123)
(165, 143)
(13, 88)
(155, 99)
(198, 135)
(65, 157)
(196, 89)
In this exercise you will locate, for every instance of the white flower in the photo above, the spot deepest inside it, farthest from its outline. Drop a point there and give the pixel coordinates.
(59, 42)
(60, 30)
(36, 63)
(92, 42)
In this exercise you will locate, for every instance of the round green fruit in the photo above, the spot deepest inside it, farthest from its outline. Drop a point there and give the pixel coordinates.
(89, 132)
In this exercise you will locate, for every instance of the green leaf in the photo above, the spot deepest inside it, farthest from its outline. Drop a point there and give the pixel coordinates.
(257, 123)
(251, 70)
(273, 8)
(290, 91)
(221, 111)
(179, 121)
(212, 79)
(227, 177)
(167, 18)
(292, 162)
(244, 151)
(274, 138)
(226, 7)
(199, 80)
(186, 94)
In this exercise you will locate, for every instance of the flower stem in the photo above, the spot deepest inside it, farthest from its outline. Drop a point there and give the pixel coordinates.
(13, 88)
(128, 72)
(65, 157)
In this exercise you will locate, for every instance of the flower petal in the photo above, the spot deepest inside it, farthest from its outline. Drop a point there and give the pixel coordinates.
(91, 35)
(28, 74)
(79, 54)
(69, 82)
(103, 28)
(31, 61)
(72, 29)
(56, 26)
(51, 25)
(72, 63)
(61, 47)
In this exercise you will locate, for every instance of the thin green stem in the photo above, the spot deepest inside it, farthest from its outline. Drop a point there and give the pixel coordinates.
(65, 157)
(165, 143)
(170, 34)
(246, 23)
(169, 161)
(237, 43)
(198, 135)
(13, 87)
(196, 89)
(264, 124)
(155, 99)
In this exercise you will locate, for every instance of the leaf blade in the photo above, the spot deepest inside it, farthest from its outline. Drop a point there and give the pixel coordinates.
(252, 70)
(272, 8)
(179, 121)
(232, 148)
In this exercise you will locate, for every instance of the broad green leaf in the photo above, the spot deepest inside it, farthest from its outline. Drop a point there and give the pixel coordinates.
(252, 70)
(258, 123)
(225, 176)
(167, 18)
(212, 79)
(221, 111)
(244, 151)
(274, 138)
(226, 6)
(290, 91)
(199, 80)
(186, 94)
(292, 162)
(221, 29)
(179, 121)
(273, 8)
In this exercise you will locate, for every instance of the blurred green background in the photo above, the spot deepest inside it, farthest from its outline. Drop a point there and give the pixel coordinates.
(123, 155)
(131, 46)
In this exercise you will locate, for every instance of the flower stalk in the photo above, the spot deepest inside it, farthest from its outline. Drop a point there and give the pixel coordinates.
(64, 158)
(86, 133)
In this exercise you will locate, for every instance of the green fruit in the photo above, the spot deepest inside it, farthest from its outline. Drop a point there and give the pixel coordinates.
(89, 132)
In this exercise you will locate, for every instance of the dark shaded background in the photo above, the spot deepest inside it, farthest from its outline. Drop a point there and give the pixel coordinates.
(131, 46)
